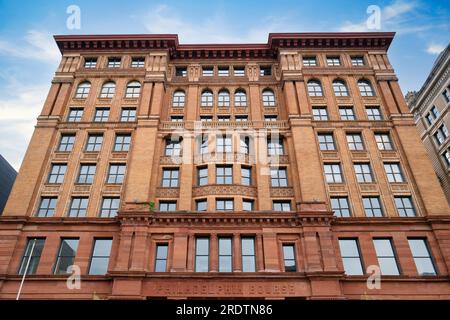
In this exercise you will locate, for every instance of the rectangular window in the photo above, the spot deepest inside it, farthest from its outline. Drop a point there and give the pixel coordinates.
(247, 205)
(383, 141)
(363, 172)
(122, 142)
(203, 144)
(341, 207)
(422, 257)
(320, 113)
(347, 113)
(430, 118)
(66, 142)
(101, 115)
(333, 173)
(278, 177)
(137, 62)
(94, 142)
(435, 112)
(386, 257)
(90, 63)
(355, 142)
(57, 173)
(173, 147)
(224, 204)
(239, 71)
(181, 71)
(66, 255)
(446, 157)
(166, 206)
(265, 71)
(275, 147)
(100, 257)
(351, 257)
(224, 144)
(78, 207)
(223, 118)
(176, 118)
(224, 71)
(109, 208)
(31, 256)
(201, 205)
(170, 178)
(248, 254)
(374, 113)
(206, 118)
(246, 176)
(244, 147)
(114, 62)
(224, 174)
(333, 61)
(116, 173)
(75, 115)
(289, 258)
(326, 141)
(393, 172)
(201, 254)
(446, 95)
(46, 207)
(207, 71)
(372, 207)
(281, 205)
(128, 115)
(241, 118)
(225, 254)
(405, 206)
(161, 257)
(270, 118)
(87, 173)
(309, 61)
(357, 61)
(202, 176)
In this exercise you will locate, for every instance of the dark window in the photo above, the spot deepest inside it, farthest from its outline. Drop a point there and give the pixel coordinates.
(383, 141)
(57, 173)
(31, 256)
(170, 178)
(206, 118)
(46, 207)
(320, 113)
(289, 258)
(100, 256)
(223, 118)
(78, 207)
(109, 208)
(265, 71)
(225, 254)
(248, 254)
(270, 118)
(176, 118)
(241, 118)
(128, 115)
(422, 257)
(372, 207)
(201, 205)
(90, 63)
(161, 257)
(351, 257)
(347, 113)
(446, 95)
(122, 142)
(363, 172)
(386, 257)
(341, 207)
(114, 62)
(116, 173)
(224, 204)
(333, 173)
(101, 115)
(181, 71)
(94, 142)
(165, 206)
(75, 115)
(405, 207)
(66, 142)
(87, 173)
(326, 141)
(66, 255)
(354, 141)
(224, 174)
(278, 177)
(201, 254)
(246, 176)
(281, 205)
(137, 62)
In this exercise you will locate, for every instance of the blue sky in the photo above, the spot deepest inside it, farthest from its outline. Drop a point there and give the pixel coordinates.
(29, 57)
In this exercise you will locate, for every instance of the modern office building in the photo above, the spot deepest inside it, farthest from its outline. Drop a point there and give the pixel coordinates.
(7, 177)
(289, 169)
(430, 107)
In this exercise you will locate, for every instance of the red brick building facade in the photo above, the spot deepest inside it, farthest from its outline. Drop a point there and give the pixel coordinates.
(295, 171)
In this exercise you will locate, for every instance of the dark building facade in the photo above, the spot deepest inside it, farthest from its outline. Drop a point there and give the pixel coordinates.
(7, 177)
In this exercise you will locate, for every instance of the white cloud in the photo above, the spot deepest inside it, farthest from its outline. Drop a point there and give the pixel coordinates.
(435, 48)
(36, 45)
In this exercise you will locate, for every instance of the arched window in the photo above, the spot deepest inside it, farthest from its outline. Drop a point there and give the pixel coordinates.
(268, 98)
(340, 89)
(314, 88)
(83, 90)
(365, 88)
(108, 90)
(224, 98)
(178, 98)
(133, 89)
(207, 98)
(240, 98)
